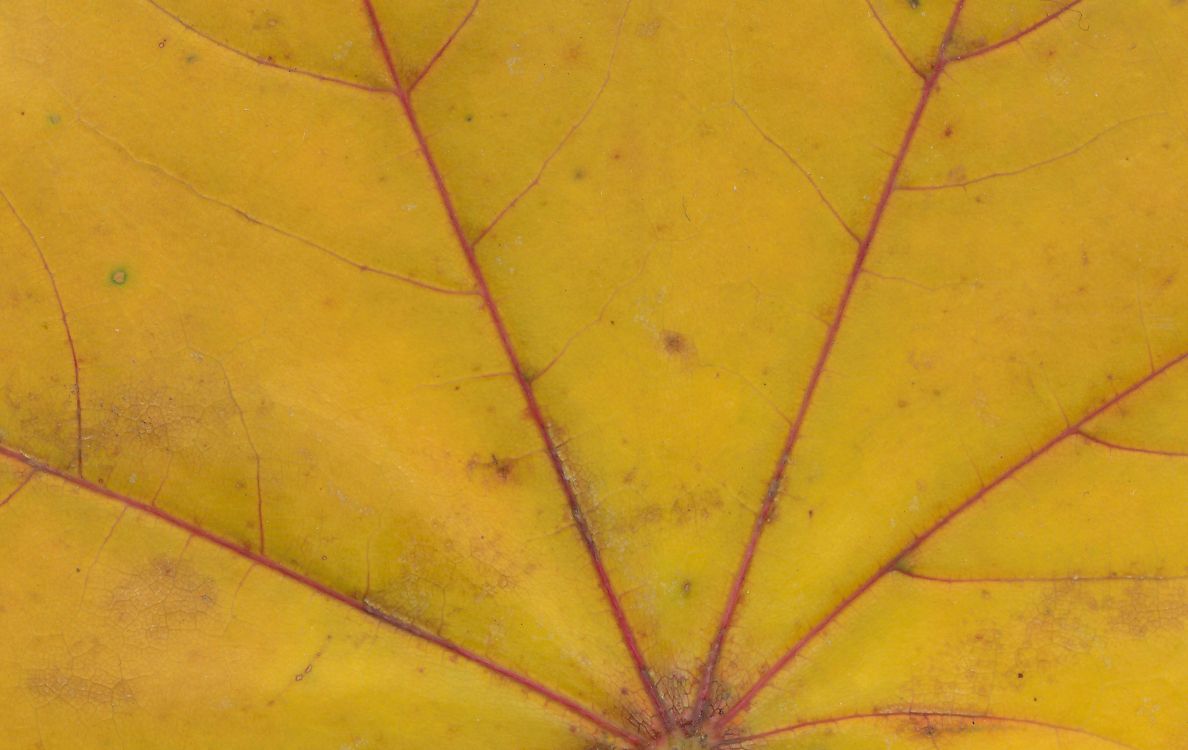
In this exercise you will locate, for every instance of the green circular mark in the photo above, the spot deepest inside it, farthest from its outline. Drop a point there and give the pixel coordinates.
(119, 277)
(54, 118)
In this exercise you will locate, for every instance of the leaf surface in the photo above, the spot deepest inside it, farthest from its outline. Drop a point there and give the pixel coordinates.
(587, 374)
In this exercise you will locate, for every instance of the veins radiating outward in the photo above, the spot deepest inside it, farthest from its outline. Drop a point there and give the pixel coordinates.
(927, 716)
(894, 561)
(784, 458)
(762, 518)
(266, 61)
(257, 559)
(78, 450)
(564, 478)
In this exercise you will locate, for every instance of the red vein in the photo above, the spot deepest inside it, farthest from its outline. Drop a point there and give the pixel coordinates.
(568, 135)
(973, 718)
(775, 483)
(1130, 448)
(533, 406)
(267, 62)
(891, 565)
(441, 50)
(793, 161)
(20, 486)
(1016, 36)
(894, 41)
(1037, 579)
(195, 531)
(1029, 167)
(78, 450)
(362, 267)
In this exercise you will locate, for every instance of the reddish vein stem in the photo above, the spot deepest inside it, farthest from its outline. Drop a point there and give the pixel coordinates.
(256, 558)
(785, 457)
(535, 412)
(926, 715)
(896, 559)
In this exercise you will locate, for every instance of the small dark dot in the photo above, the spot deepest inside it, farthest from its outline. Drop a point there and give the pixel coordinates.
(161, 44)
(579, 173)
(191, 59)
(118, 277)
(470, 118)
(810, 512)
(78, 570)
(686, 587)
(1020, 675)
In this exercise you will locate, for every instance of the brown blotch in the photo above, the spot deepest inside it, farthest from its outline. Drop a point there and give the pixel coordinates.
(674, 343)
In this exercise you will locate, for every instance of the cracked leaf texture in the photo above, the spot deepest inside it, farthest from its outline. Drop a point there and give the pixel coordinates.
(594, 374)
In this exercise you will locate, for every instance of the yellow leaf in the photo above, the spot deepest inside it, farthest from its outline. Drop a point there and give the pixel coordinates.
(467, 374)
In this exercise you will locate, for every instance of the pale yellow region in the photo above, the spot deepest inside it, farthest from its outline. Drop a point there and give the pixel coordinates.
(231, 371)
(120, 630)
(1083, 511)
(329, 39)
(927, 732)
(824, 83)
(916, 26)
(510, 88)
(417, 31)
(669, 323)
(335, 166)
(986, 320)
(1103, 658)
(1067, 98)
(42, 382)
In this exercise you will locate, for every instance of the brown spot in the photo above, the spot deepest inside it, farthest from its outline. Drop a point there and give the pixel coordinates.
(687, 588)
(573, 53)
(674, 343)
(948, 131)
(161, 44)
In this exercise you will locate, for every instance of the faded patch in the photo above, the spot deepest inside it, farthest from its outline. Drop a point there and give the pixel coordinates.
(163, 596)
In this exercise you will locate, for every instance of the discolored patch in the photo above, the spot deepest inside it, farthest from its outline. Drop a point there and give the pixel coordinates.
(161, 597)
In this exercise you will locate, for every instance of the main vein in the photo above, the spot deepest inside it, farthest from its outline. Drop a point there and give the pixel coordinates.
(257, 558)
(534, 410)
(775, 483)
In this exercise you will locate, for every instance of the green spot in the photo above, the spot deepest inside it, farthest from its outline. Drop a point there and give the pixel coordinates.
(118, 276)
(54, 118)
(191, 59)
